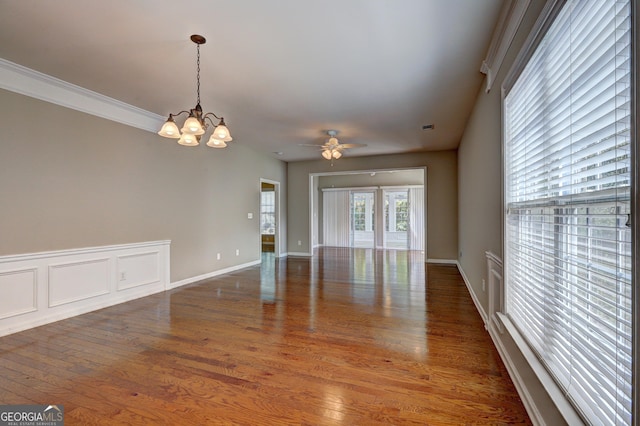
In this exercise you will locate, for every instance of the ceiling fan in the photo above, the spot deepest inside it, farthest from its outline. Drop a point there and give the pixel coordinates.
(332, 149)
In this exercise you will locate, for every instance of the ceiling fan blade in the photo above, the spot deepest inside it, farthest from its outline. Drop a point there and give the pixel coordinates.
(352, 145)
(316, 145)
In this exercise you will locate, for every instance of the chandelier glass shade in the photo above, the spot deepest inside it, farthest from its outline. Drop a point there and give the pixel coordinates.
(198, 122)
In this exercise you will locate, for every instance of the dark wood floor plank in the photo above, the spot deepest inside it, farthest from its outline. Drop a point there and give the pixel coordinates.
(351, 336)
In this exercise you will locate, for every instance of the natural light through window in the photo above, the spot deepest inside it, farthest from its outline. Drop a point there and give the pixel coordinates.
(568, 260)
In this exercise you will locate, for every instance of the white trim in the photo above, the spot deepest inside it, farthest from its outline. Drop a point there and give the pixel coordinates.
(635, 202)
(85, 250)
(369, 188)
(119, 268)
(510, 18)
(96, 278)
(28, 82)
(66, 283)
(277, 236)
(350, 188)
(442, 261)
(555, 393)
(24, 309)
(521, 385)
(533, 410)
(494, 258)
(550, 9)
(475, 299)
(495, 289)
(365, 171)
(299, 254)
(212, 274)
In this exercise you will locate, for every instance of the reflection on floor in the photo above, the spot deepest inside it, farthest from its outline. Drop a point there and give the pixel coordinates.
(349, 336)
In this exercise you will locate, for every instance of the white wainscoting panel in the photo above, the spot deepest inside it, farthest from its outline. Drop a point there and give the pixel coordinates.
(75, 281)
(134, 270)
(19, 290)
(495, 289)
(39, 288)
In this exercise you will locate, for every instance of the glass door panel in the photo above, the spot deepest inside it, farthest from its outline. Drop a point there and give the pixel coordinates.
(396, 219)
(362, 219)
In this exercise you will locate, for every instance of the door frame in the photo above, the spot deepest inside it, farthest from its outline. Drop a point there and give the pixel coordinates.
(314, 223)
(277, 235)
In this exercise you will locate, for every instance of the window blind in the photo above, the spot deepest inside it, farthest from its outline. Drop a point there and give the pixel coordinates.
(335, 216)
(416, 218)
(567, 197)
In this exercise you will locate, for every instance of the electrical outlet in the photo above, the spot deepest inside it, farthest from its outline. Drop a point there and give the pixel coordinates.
(299, 242)
(237, 252)
(218, 256)
(484, 285)
(123, 276)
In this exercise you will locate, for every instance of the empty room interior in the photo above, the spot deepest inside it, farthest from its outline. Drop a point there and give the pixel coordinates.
(336, 213)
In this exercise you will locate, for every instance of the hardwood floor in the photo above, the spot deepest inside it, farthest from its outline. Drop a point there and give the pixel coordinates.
(349, 337)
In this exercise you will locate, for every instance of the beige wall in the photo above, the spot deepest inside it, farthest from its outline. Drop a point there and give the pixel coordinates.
(72, 180)
(480, 171)
(480, 201)
(441, 201)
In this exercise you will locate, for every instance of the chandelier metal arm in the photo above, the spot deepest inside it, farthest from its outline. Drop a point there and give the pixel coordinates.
(171, 115)
(206, 117)
(210, 113)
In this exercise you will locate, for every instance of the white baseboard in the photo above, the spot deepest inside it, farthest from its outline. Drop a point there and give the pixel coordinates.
(530, 402)
(533, 408)
(298, 254)
(516, 378)
(476, 302)
(212, 274)
(40, 288)
(443, 261)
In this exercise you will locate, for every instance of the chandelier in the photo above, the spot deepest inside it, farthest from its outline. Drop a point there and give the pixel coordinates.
(198, 122)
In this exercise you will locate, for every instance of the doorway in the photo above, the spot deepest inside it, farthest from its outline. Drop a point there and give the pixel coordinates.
(385, 217)
(269, 217)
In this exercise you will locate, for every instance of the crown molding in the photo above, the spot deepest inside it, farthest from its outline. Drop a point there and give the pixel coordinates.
(28, 82)
(510, 18)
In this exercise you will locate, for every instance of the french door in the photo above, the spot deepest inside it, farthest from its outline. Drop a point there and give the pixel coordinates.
(390, 218)
(396, 219)
(362, 218)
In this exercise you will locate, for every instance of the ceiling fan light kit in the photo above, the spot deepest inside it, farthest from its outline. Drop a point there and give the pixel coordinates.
(332, 149)
(197, 123)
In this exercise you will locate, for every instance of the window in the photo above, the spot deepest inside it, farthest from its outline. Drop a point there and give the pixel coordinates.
(268, 212)
(363, 211)
(396, 211)
(363, 219)
(396, 218)
(568, 262)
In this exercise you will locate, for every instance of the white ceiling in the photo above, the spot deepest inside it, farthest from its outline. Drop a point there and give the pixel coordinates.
(281, 72)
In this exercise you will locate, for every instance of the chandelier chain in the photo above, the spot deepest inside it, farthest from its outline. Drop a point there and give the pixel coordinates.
(198, 75)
